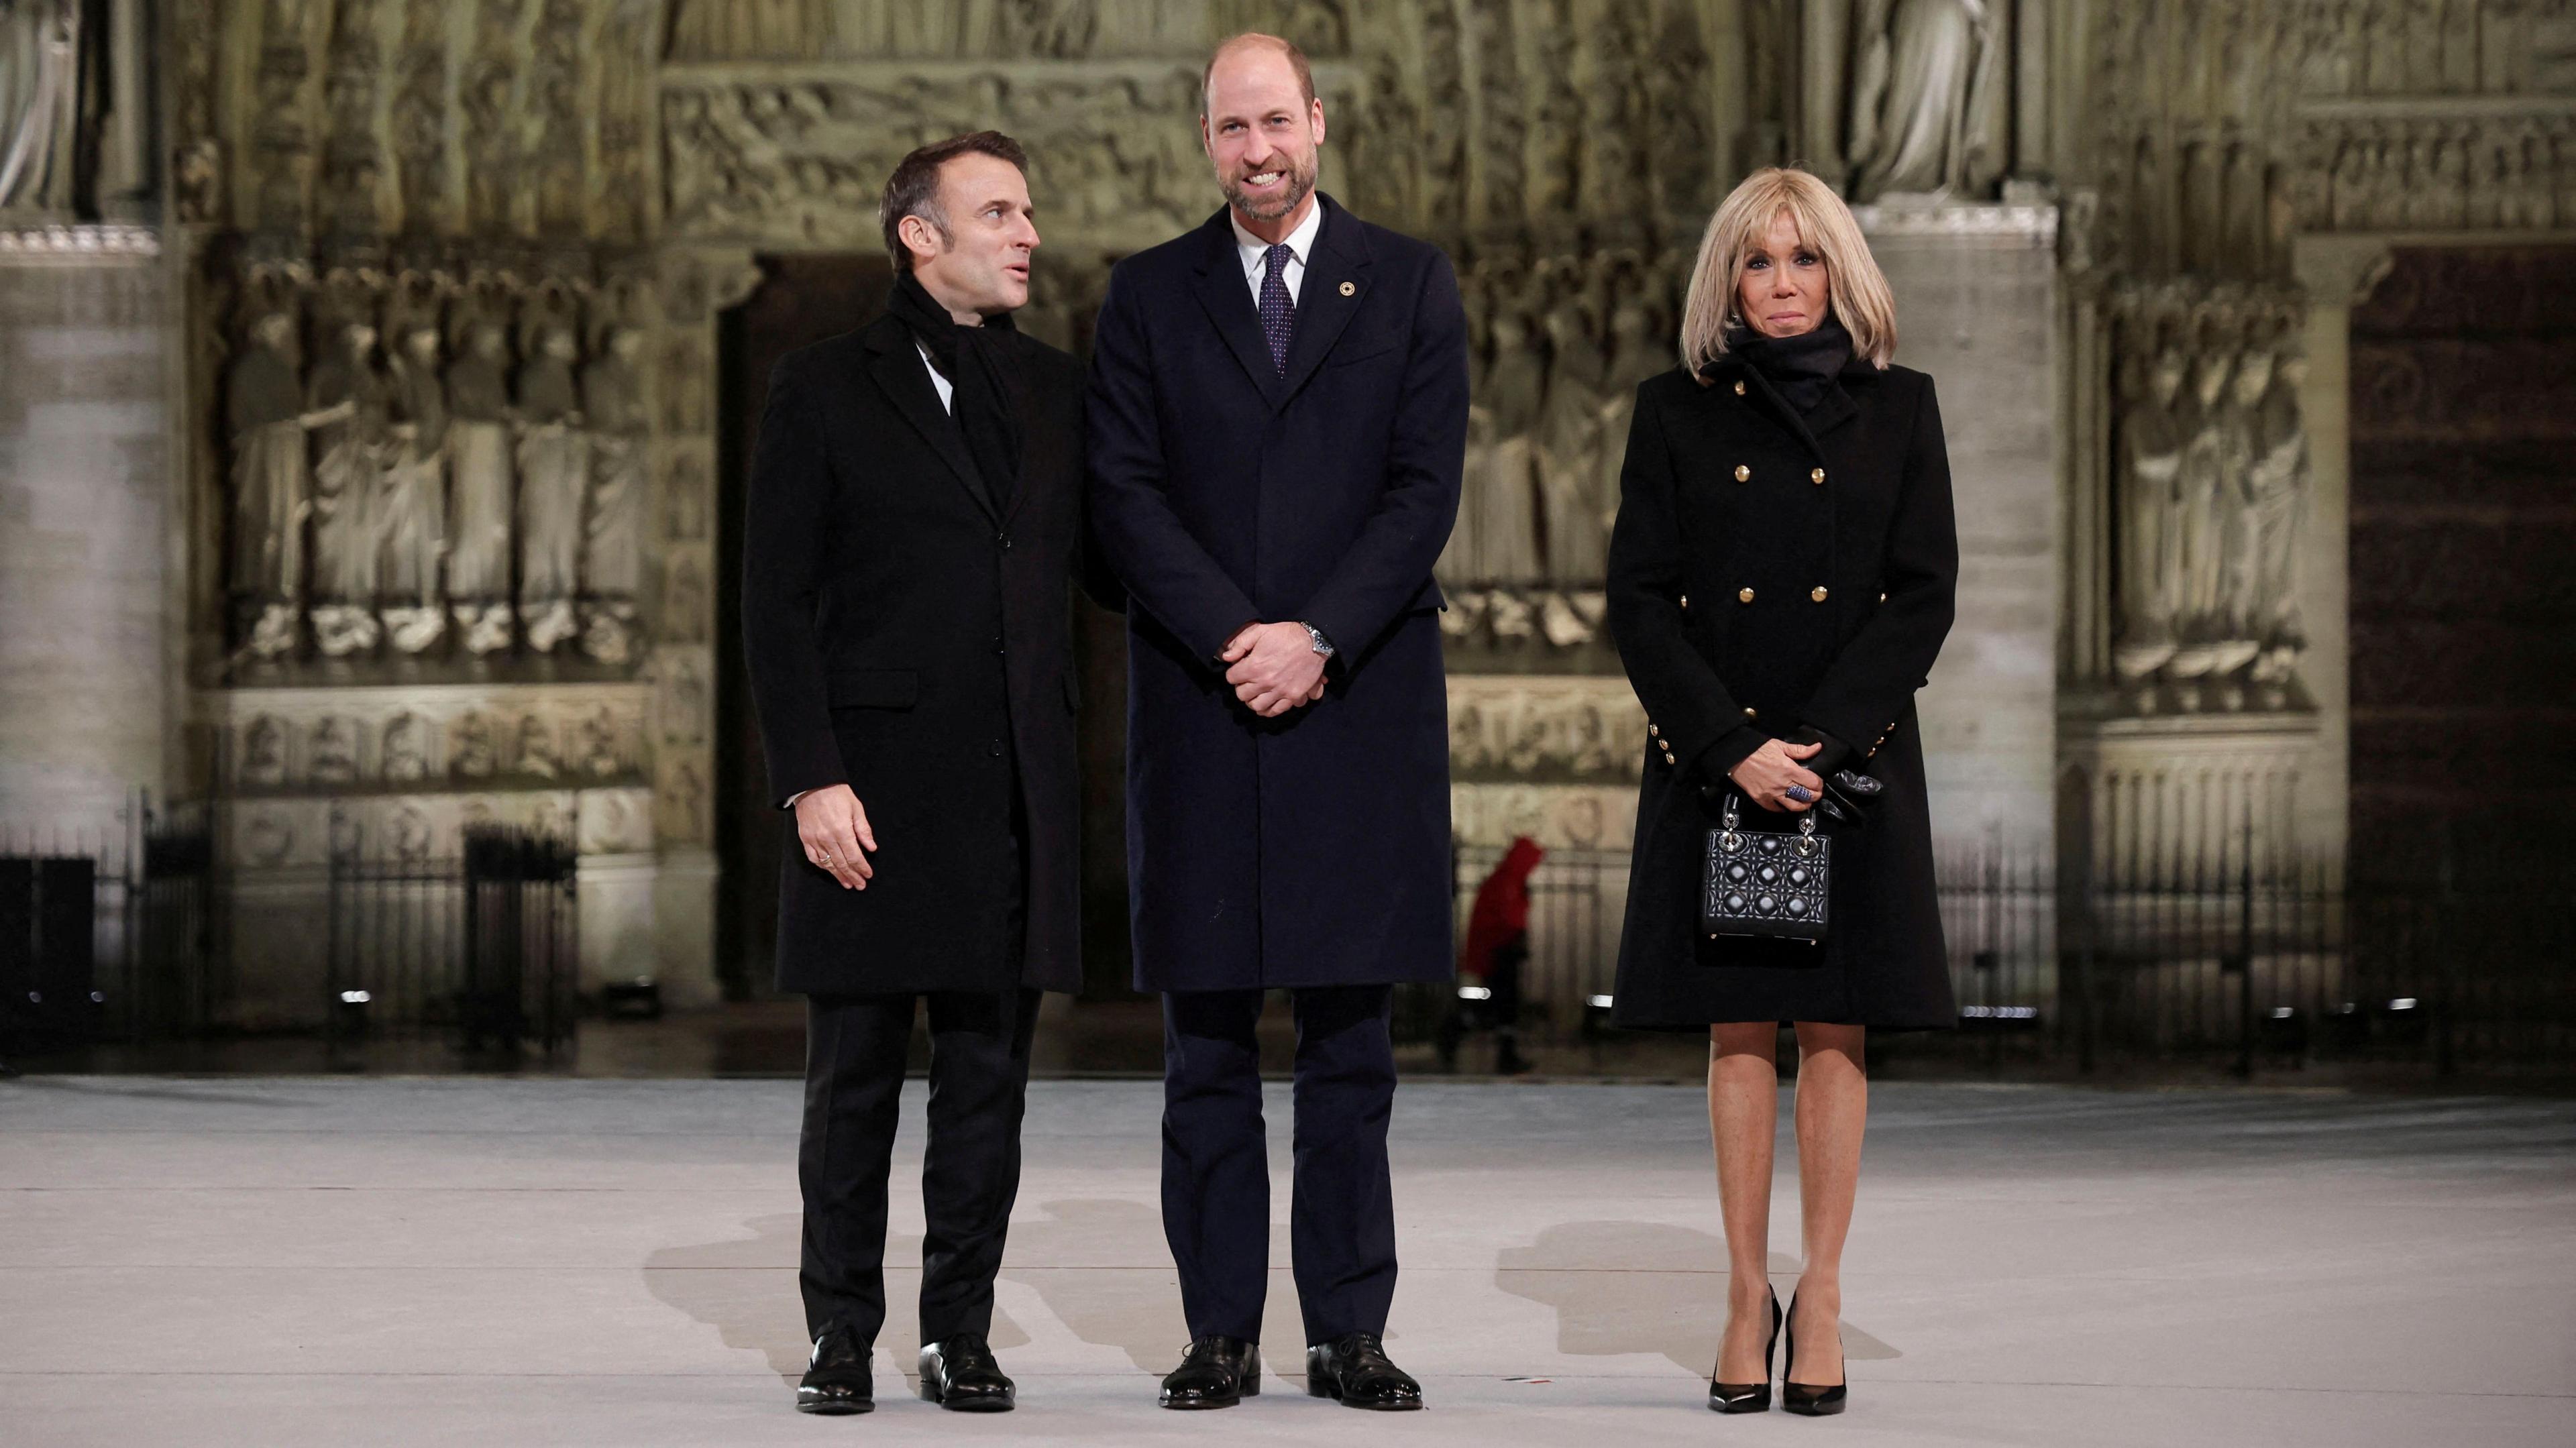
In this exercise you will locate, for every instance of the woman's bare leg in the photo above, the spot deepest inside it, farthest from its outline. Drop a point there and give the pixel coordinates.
(1743, 1117)
(1832, 1109)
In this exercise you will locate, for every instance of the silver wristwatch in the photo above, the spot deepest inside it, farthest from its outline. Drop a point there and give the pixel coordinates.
(1322, 644)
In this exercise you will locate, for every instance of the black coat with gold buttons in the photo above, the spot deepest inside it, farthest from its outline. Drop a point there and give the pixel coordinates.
(1771, 571)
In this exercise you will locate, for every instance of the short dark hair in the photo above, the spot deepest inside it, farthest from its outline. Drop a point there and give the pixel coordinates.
(1288, 48)
(913, 189)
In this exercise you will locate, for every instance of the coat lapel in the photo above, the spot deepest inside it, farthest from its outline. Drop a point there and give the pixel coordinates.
(1229, 307)
(899, 372)
(1335, 285)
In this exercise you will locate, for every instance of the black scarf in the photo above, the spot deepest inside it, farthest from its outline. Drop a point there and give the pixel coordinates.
(977, 363)
(1799, 368)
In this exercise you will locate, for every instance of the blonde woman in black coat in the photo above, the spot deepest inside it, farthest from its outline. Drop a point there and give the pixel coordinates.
(1781, 578)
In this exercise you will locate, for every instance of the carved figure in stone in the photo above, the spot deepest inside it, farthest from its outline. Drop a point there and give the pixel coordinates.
(2231, 623)
(751, 29)
(1505, 497)
(268, 838)
(684, 503)
(2149, 517)
(612, 558)
(2199, 528)
(1925, 97)
(266, 420)
(2276, 508)
(264, 752)
(419, 120)
(685, 706)
(475, 756)
(1578, 539)
(349, 454)
(41, 104)
(334, 754)
(537, 757)
(406, 750)
(684, 606)
(410, 835)
(599, 743)
(410, 507)
(688, 801)
(554, 469)
(479, 500)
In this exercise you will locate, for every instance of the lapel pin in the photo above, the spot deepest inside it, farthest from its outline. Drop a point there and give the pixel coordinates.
(1350, 289)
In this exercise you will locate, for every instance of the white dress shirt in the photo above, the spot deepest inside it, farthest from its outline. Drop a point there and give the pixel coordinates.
(947, 393)
(1301, 244)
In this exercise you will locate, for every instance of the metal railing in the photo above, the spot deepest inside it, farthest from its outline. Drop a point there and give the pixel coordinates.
(484, 944)
(2225, 960)
(111, 932)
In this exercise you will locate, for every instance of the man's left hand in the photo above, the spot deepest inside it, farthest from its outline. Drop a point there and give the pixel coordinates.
(1274, 668)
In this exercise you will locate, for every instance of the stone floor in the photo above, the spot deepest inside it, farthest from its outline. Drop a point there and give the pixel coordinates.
(279, 1262)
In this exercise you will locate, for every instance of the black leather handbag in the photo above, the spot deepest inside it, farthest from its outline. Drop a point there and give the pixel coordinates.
(1766, 884)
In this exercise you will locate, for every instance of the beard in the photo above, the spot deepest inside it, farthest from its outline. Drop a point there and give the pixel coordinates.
(1301, 184)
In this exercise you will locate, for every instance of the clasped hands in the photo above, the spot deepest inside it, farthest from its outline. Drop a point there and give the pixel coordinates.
(1274, 667)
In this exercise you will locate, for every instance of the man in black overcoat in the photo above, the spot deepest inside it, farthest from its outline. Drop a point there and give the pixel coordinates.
(1277, 418)
(913, 520)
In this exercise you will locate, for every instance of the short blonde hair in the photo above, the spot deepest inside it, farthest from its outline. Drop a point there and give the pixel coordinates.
(1855, 288)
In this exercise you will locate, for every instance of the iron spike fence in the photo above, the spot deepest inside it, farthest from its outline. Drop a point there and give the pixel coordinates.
(2215, 956)
(483, 944)
(112, 931)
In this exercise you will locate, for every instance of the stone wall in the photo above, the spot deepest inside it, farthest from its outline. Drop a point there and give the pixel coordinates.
(85, 528)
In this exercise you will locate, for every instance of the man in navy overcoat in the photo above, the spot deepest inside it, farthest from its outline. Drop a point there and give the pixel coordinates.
(1278, 411)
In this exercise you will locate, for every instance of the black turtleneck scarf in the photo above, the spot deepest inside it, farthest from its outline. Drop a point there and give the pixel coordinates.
(977, 363)
(1799, 368)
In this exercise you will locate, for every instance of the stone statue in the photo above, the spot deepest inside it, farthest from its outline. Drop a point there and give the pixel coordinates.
(2231, 623)
(410, 511)
(1924, 98)
(479, 502)
(612, 559)
(599, 743)
(406, 753)
(266, 421)
(335, 752)
(349, 452)
(2200, 520)
(1505, 497)
(1569, 435)
(2276, 507)
(40, 104)
(475, 756)
(554, 468)
(2149, 506)
(264, 752)
(537, 749)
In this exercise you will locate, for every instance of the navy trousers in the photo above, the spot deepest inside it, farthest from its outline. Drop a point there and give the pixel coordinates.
(1216, 1162)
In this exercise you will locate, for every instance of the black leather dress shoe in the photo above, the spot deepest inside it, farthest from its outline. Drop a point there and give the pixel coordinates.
(1353, 1370)
(836, 1379)
(960, 1373)
(1216, 1372)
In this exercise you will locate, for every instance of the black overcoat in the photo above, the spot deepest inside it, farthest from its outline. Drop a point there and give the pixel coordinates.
(1770, 570)
(910, 640)
(1311, 849)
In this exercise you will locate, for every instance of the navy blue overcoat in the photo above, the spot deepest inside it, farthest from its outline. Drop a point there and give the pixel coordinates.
(1310, 849)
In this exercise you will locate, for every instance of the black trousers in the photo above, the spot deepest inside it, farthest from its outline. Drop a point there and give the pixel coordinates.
(1216, 1164)
(970, 1172)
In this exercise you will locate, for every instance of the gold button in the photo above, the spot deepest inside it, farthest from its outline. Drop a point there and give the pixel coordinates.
(1749, 711)
(1350, 289)
(1817, 593)
(1685, 600)
(1739, 389)
(1744, 595)
(1651, 729)
(1742, 473)
(1882, 598)
(1817, 476)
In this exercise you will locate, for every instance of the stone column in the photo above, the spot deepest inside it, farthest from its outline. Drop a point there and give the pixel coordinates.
(2338, 272)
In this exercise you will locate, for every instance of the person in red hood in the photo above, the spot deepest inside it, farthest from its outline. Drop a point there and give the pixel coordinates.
(1498, 944)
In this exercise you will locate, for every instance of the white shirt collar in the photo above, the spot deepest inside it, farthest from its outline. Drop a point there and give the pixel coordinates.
(1301, 242)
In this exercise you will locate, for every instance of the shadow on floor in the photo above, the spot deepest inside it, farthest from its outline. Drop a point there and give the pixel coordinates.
(1641, 1287)
(734, 1285)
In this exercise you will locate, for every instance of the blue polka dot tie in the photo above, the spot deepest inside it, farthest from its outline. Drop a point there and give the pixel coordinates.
(1278, 314)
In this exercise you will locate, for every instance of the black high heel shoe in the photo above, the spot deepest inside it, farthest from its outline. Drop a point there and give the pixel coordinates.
(1749, 1397)
(1805, 1398)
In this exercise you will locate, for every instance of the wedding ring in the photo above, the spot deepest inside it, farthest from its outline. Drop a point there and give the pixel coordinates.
(1801, 794)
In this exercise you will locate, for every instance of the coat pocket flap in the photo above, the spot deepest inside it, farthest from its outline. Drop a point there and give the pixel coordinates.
(874, 688)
